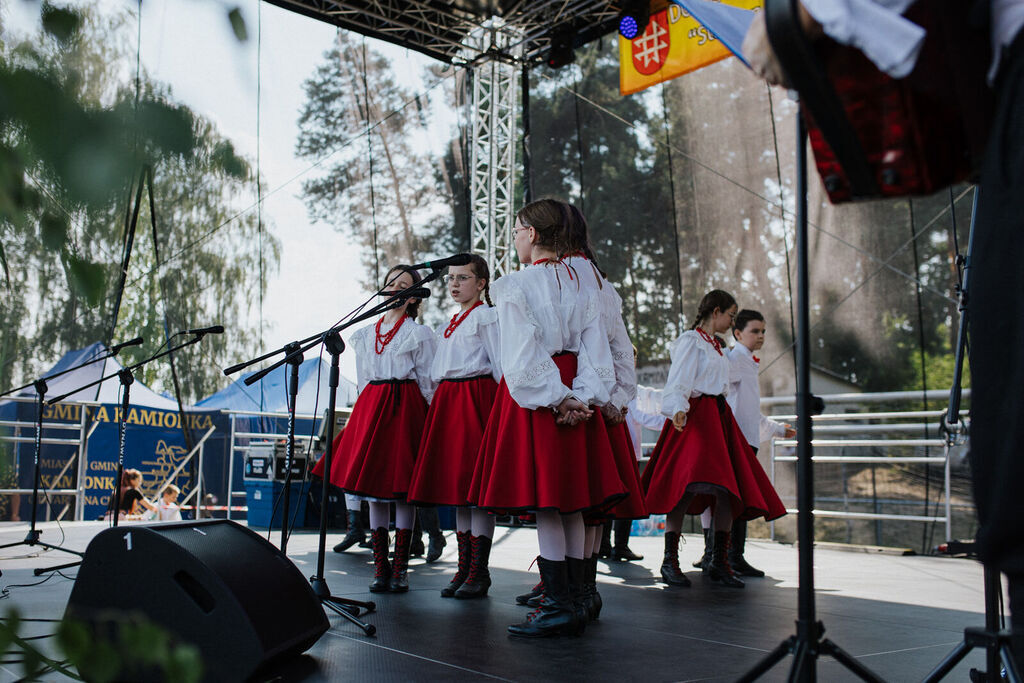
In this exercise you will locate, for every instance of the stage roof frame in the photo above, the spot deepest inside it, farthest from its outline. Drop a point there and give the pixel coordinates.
(444, 30)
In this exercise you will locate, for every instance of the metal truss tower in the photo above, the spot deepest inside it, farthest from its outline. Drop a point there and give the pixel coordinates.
(493, 149)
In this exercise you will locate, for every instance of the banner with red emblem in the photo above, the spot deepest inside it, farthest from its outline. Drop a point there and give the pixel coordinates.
(673, 44)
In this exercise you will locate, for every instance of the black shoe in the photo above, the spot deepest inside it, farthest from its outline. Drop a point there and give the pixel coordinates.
(624, 554)
(479, 579)
(465, 557)
(400, 567)
(670, 571)
(737, 544)
(381, 566)
(556, 615)
(355, 534)
(605, 550)
(437, 543)
(719, 570)
(416, 548)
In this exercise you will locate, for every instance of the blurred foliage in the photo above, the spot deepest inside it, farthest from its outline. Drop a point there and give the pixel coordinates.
(118, 648)
(76, 129)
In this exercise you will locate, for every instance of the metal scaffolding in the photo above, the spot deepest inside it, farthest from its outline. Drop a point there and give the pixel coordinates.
(493, 150)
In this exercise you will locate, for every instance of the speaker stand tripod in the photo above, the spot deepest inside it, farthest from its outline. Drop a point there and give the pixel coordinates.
(808, 644)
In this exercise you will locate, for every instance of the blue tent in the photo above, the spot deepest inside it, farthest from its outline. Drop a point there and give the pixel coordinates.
(154, 441)
(270, 394)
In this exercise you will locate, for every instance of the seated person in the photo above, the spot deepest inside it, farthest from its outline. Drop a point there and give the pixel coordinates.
(132, 501)
(167, 509)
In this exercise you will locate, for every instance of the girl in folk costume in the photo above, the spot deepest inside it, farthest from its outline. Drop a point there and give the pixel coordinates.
(466, 371)
(541, 450)
(702, 458)
(621, 387)
(377, 450)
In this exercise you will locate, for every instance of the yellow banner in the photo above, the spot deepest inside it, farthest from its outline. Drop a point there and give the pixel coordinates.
(674, 44)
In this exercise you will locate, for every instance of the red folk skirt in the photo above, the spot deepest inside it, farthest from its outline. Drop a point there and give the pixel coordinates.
(528, 462)
(709, 455)
(451, 441)
(376, 452)
(633, 507)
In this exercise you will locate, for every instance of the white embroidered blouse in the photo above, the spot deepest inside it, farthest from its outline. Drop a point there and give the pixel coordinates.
(540, 313)
(408, 356)
(473, 349)
(623, 388)
(697, 368)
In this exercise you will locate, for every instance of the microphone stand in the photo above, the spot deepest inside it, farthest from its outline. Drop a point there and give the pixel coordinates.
(995, 641)
(347, 608)
(126, 378)
(32, 539)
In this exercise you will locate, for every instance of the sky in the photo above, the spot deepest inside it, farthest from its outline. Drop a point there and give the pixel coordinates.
(189, 45)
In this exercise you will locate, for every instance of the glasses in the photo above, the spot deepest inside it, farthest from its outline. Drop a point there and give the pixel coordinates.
(460, 278)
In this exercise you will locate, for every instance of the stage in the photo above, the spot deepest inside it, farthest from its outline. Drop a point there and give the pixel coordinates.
(899, 615)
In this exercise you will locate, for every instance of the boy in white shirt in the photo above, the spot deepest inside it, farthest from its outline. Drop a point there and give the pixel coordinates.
(167, 509)
(744, 398)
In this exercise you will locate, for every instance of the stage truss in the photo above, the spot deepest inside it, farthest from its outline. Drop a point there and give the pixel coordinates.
(495, 39)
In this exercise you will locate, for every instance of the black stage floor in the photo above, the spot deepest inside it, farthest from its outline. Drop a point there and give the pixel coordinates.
(898, 615)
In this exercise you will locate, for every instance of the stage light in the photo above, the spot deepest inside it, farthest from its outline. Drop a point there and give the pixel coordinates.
(561, 51)
(634, 17)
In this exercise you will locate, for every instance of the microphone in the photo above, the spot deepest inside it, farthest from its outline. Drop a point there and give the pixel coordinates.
(215, 329)
(457, 260)
(131, 342)
(412, 293)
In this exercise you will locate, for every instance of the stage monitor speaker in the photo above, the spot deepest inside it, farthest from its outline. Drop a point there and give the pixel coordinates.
(212, 583)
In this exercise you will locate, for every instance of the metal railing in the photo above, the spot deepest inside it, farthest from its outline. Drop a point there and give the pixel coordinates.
(260, 440)
(80, 454)
(877, 437)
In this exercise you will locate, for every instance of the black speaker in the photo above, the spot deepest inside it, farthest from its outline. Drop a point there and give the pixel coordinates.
(212, 583)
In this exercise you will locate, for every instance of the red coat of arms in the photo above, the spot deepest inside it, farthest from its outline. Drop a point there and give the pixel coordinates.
(650, 50)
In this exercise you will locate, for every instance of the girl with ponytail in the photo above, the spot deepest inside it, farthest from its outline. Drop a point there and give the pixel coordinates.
(702, 458)
(466, 369)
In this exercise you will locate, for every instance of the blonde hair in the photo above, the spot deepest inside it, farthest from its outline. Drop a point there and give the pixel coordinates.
(172, 488)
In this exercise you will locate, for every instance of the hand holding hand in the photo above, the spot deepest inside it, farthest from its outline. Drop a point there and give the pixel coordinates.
(612, 416)
(571, 412)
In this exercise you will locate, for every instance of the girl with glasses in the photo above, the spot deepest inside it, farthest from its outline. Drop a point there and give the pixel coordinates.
(466, 370)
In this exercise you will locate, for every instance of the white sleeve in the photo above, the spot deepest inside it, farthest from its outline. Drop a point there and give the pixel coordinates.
(770, 429)
(622, 358)
(595, 370)
(423, 359)
(490, 335)
(531, 375)
(681, 377)
(875, 27)
(362, 378)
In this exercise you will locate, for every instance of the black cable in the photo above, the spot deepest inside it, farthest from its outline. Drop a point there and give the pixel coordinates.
(782, 216)
(579, 144)
(924, 372)
(369, 154)
(675, 217)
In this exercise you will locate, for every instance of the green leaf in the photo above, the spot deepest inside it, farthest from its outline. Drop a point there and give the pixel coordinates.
(54, 230)
(238, 25)
(184, 664)
(86, 278)
(59, 22)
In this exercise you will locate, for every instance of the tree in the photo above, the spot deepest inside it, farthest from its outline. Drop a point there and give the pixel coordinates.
(359, 124)
(75, 137)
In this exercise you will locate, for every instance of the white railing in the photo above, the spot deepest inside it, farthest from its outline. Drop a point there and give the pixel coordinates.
(875, 437)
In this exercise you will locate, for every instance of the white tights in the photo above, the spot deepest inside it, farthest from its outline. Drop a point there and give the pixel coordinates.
(560, 536)
(474, 520)
(380, 515)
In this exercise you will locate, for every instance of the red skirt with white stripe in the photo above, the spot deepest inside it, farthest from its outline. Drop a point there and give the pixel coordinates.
(528, 462)
(451, 441)
(708, 456)
(376, 452)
